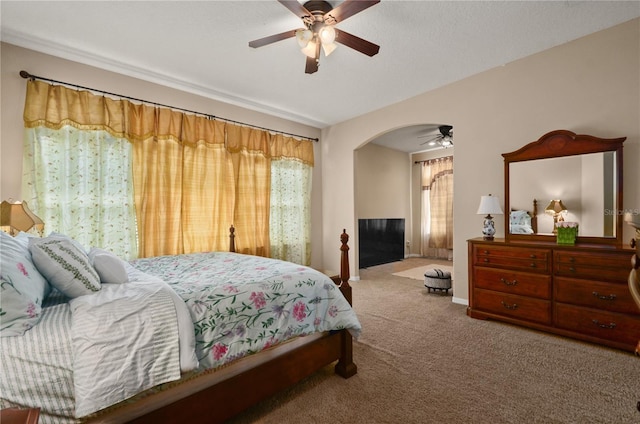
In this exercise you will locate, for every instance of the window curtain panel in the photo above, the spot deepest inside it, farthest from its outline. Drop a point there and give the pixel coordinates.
(437, 208)
(193, 177)
(77, 167)
(291, 177)
(251, 163)
(69, 173)
(184, 186)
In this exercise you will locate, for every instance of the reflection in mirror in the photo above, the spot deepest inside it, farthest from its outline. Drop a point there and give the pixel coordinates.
(586, 185)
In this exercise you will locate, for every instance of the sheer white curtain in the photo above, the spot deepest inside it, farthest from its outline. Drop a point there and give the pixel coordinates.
(437, 208)
(80, 183)
(290, 212)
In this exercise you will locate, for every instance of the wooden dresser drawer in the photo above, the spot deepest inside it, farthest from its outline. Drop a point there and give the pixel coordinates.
(601, 266)
(598, 323)
(613, 297)
(514, 306)
(513, 282)
(522, 258)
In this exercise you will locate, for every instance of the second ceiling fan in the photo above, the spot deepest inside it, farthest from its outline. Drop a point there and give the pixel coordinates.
(444, 138)
(319, 32)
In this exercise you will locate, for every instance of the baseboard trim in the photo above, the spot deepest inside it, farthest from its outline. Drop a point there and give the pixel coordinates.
(460, 301)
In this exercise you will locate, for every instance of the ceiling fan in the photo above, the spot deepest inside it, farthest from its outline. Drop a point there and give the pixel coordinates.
(319, 19)
(445, 138)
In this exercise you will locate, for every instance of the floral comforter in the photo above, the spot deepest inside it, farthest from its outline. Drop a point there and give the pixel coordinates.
(242, 304)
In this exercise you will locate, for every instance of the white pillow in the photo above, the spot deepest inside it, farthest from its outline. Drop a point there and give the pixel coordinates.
(520, 218)
(110, 268)
(23, 238)
(75, 242)
(65, 266)
(22, 288)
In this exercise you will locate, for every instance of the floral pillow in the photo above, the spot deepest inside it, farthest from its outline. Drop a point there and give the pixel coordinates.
(22, 288)
(65, 266)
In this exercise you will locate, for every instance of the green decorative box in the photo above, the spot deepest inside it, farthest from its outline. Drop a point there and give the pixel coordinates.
(567, 235)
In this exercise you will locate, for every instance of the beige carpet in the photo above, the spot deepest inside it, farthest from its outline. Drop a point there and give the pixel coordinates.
(422, 360)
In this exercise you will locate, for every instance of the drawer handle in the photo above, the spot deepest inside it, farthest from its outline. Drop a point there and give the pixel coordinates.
(486, 252)
(512, 307)
(486, 260)
(532, 256)
(533, 265)
(610, 326)
(572, 269)
(604, 297)
(572, 259)
(507, 282)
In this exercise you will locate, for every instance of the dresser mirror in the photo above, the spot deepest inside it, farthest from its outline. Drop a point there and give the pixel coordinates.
(583, 172)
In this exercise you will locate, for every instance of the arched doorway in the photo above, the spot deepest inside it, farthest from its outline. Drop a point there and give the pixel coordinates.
(387, 188)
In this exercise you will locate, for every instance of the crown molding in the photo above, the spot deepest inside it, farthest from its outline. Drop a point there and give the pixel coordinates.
(85, 58)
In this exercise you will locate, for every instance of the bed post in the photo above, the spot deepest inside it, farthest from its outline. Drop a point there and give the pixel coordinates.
(345, 366)
(232, 239)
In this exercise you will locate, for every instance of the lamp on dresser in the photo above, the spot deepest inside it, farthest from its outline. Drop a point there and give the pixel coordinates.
(489, 205)
(556, 208)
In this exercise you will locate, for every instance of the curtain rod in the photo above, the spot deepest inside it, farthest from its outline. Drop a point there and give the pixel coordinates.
(27, 75)
(430, 160)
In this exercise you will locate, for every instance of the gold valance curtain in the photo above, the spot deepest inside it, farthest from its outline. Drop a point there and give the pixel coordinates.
(193, 176)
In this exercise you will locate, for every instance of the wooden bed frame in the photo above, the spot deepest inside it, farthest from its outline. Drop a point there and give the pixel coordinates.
(226, 398)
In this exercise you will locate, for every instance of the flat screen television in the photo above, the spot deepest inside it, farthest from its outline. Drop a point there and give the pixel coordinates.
(380, 241)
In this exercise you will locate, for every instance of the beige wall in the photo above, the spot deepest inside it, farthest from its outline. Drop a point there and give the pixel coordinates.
(14, 59)
(382, 185)
(589, 86)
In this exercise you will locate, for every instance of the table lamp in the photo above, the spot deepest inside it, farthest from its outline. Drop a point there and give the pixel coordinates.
(489, 205)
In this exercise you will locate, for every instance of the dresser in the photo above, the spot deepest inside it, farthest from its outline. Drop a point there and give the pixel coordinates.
(575, 291)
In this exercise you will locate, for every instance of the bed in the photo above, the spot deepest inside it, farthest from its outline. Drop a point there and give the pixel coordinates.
(254, 327)
(522, 221)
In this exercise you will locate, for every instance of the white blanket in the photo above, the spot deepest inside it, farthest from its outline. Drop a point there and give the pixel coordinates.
(125, 340)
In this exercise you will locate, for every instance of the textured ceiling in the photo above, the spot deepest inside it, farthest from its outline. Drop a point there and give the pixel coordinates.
(201, 46)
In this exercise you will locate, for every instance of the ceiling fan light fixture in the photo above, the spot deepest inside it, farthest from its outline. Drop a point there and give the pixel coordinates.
(318, 20)
(328, 48)
(327, 34)
(310, 49)
(304, 36)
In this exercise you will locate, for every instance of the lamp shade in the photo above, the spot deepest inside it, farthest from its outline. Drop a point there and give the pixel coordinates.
(554, 207)
(310, 49)
(18, 217)
(489, 205)
(303, 36)
(328, 48)
(327, 35)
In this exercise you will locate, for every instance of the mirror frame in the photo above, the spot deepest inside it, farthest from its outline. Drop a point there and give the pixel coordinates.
(561, 143)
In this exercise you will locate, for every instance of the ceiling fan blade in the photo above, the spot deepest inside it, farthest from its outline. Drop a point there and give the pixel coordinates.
(272, 39)
(356, 43)
(297, 9)
(445, 130)
(349, 8)
(311, 65)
